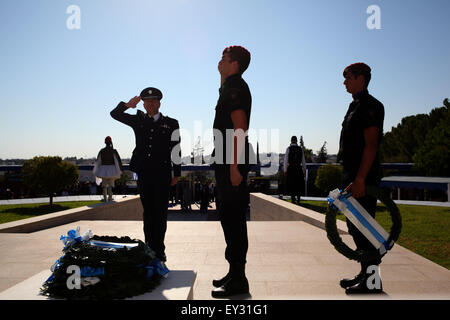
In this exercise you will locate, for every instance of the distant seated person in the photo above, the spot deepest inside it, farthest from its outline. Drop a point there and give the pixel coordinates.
(108, 167)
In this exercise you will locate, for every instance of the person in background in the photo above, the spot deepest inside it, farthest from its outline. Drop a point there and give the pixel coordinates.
(204, 198)
(362, 130)
(295, 170)
(108, 167)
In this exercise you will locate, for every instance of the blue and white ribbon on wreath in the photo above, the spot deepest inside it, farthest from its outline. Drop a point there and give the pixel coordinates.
(55, 266)
(92, 272)
(75, 236)
(113, 245)
(362, 220)
(156, 267)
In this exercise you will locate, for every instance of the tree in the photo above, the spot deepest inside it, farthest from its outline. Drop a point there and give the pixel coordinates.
(433, 156)
(302, 144)
(404, 141)
(328, 177)
(307, 152)
(48, 175)
(322, 154)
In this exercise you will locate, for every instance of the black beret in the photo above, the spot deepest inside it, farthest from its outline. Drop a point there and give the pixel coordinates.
(151, 93)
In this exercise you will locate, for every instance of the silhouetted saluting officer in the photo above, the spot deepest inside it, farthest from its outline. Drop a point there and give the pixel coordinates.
(152, 161)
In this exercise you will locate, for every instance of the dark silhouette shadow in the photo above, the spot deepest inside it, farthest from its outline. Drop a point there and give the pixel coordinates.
(175, 279)
(245, 296)
(194, 215)
(37, 211)
(382, 295)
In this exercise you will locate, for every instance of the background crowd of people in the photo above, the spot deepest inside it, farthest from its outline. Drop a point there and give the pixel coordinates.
(188, 194)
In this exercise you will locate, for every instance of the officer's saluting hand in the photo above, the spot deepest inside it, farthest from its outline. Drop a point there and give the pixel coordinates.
(133, 102)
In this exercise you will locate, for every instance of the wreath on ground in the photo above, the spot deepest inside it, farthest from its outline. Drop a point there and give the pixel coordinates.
(358, 255)
(108, 271)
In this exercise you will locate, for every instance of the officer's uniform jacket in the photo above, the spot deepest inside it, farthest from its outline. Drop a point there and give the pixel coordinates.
(153, 141)
(234, 95)
(365, 111)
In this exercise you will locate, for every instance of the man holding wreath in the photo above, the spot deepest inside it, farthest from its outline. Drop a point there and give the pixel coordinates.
(362, 130)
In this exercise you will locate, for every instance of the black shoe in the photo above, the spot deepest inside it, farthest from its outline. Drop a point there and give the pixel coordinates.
(363, 288)
(231, 287)
(346, 283)
(221, 282)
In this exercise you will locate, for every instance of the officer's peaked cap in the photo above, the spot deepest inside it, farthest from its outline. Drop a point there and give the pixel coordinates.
(151, 93)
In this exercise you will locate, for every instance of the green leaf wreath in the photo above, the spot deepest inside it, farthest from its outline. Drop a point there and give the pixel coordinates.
(362, 256)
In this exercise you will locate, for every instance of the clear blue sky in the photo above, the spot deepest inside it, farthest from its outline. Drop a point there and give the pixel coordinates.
(57, 86)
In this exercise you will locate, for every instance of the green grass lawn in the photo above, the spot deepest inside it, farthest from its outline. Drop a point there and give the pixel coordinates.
(425, 229)
(13, 212)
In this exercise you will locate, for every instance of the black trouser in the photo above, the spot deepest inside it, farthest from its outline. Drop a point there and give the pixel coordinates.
(295, 183)
(154, 191)
(295, 197)
(232, 207)
(370, 204)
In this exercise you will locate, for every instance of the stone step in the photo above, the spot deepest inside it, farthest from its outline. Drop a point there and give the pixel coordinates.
(177, 286)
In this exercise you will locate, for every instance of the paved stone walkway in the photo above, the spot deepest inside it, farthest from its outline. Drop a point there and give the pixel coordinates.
(286, 260)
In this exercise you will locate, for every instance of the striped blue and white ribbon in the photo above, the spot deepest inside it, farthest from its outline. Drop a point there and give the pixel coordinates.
(362, 220)
(113, 245)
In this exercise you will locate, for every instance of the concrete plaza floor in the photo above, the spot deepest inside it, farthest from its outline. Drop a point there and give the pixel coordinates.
(286, 260)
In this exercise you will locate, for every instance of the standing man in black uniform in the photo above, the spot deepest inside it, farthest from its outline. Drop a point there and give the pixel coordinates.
(231, 167)
(152, 161)
(294, 170)
(362, 130)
